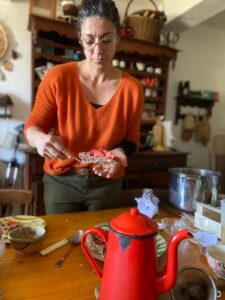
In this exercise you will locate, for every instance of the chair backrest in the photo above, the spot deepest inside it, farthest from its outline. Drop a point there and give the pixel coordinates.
(9, 198)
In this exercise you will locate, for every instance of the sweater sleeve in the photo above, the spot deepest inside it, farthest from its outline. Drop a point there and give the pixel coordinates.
(128, 147)
(45, 107)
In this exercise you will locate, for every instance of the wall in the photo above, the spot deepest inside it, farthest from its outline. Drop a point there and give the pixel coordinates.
(202, 61)
(14, 18)
(17, 84)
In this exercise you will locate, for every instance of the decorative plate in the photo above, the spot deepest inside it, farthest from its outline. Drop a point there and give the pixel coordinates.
(9, 223)
(97, 247)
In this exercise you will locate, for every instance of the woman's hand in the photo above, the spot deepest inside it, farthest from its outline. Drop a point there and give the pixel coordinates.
(48, 145)
(51, 146)
(109, 169)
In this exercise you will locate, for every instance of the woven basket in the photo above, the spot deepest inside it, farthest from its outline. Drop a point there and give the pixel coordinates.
(145, 24)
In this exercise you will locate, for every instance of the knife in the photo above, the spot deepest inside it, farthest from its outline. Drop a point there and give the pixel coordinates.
(55, 246)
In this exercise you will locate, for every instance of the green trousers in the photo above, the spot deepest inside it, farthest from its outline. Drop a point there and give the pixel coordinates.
(70, 192)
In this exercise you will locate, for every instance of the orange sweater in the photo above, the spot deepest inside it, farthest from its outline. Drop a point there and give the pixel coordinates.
(61, 104)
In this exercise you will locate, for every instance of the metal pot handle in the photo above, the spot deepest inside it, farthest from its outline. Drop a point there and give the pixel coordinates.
(218, 294)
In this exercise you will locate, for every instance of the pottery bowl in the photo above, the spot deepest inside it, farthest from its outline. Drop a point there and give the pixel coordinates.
(216, 259)
(194, 283)
(26, 240)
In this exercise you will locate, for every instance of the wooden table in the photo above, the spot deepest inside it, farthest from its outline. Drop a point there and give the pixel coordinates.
(35, 278)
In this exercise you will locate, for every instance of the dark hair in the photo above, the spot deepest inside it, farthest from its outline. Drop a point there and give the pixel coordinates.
(99, 8)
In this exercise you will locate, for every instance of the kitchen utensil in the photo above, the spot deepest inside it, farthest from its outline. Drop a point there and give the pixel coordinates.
(203, 131)
(187, 186)
(74, 240)
(61, 243)
(194, 283)
(130, 267)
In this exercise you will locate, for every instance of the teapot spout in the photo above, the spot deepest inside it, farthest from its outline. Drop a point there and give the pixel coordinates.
(166, 279)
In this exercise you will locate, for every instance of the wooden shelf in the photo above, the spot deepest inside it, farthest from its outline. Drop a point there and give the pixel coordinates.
(192, 101)
(42, 41)
(146, 48)
(148, 121)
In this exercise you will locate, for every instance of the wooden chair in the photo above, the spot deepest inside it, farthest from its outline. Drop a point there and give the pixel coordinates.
(19, 198)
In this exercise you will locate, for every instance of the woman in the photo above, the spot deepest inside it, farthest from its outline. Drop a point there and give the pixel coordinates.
(82, 106)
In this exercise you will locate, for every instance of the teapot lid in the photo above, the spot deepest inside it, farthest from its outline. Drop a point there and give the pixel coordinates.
(134, 223)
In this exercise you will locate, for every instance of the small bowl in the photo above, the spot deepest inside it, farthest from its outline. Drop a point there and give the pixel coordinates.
(216, 259)
(171, 225)
(194, 283)
(26, 240)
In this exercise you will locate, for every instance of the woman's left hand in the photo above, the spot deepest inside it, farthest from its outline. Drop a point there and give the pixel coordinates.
(109, 169)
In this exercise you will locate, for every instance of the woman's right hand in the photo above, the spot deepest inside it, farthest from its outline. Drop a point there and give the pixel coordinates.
(48, 145)
(51, 146)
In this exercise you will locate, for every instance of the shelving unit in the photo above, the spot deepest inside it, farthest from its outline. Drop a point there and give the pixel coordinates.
(193, 102)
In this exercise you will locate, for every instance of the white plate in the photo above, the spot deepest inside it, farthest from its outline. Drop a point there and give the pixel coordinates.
(18, 220)
(97, 247)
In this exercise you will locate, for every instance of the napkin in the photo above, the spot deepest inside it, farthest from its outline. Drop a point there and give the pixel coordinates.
(148, 203)
(205, 239)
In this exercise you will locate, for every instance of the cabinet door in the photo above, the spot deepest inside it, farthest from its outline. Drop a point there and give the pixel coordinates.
(38, 190)
(147, 180)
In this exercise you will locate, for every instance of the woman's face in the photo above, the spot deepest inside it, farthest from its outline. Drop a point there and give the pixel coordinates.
(99, 39)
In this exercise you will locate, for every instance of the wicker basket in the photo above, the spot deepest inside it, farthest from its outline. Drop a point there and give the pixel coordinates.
(145, 24)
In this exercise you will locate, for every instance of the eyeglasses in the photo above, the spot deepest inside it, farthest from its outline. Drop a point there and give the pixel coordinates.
(89, 43)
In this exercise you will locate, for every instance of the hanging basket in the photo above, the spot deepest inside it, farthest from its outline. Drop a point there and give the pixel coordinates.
(145, 24)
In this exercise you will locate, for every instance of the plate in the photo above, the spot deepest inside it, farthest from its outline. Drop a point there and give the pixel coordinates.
(8, 223)
(97, 247)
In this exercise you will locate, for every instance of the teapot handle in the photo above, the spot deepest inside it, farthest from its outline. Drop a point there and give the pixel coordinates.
(104, 235)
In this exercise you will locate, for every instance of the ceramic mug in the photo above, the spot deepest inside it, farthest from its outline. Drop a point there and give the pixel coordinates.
(172, 38)
(162, 39)
(122, 64)
(115, 63)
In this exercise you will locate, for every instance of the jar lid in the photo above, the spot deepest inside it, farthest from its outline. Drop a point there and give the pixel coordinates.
(133, 223)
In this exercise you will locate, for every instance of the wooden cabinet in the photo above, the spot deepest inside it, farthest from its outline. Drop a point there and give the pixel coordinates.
(33, 179)
(150, 168)
(56, 42)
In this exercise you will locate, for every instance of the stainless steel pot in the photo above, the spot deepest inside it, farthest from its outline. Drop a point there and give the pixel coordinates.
(188, 186)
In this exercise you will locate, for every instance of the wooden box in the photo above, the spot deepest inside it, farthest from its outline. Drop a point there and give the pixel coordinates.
(211, 219)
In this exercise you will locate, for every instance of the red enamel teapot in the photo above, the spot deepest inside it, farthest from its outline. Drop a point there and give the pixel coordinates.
(130, 267)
